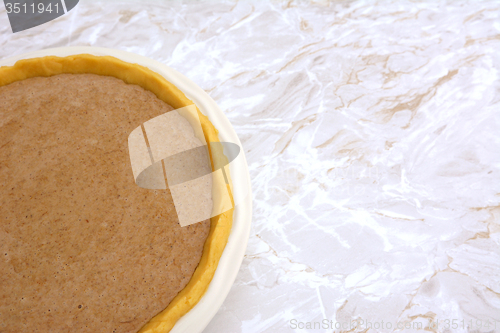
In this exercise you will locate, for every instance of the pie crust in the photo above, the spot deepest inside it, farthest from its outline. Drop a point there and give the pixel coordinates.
(220, 226)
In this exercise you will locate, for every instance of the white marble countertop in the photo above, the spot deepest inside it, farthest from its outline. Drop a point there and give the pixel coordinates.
(371, 130)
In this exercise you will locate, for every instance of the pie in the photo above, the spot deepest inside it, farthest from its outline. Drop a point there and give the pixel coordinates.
(82, 247)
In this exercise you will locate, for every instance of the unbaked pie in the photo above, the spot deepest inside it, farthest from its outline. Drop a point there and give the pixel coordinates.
(83, 248)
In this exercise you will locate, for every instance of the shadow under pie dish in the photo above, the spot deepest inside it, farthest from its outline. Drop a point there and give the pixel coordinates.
(84, 247)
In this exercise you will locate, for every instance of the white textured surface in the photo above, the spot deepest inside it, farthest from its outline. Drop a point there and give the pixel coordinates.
(371, 130)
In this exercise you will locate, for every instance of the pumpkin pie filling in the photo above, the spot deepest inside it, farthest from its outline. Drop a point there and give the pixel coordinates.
(82, 246)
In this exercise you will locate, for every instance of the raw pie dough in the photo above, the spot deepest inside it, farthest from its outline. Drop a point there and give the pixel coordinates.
(66, 184)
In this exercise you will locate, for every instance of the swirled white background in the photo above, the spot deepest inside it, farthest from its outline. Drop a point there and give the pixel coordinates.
(371, 130)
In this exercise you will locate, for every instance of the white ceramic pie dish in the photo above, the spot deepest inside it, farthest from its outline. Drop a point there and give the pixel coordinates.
(199, 317)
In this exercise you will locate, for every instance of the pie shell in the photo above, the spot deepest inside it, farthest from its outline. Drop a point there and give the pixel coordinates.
(220, 225)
